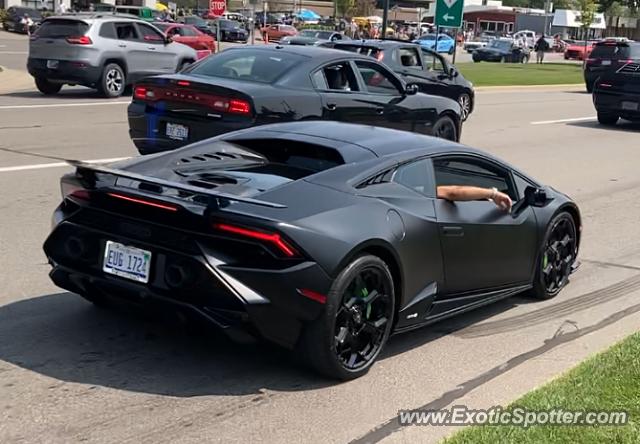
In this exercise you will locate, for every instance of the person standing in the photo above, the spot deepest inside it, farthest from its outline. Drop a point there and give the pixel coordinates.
(27, 23)
(540, 47)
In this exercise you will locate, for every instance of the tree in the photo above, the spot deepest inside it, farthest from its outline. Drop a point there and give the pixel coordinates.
(364, 7)
(344, 7)
(614, 11)
(587, 9)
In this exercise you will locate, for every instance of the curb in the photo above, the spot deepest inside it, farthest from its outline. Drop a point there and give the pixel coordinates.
(531, 87)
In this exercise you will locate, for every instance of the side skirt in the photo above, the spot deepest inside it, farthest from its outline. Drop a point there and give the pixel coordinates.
(490, 297)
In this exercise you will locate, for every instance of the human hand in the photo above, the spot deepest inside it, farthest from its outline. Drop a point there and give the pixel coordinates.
(502, 201)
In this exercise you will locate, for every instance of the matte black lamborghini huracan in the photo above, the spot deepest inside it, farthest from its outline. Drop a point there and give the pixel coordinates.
(323, 237)
(244, 87)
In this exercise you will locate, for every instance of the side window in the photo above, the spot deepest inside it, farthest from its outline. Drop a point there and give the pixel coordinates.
(409, 57)
(173, 32)
(339, 77)
(188, 32)
(473, 172)
(126, 31)
(108, 31)
(521, 184)
(377, 79)
(337, 37)
(433, 62)
(149, 34)
(318, 80)
(416, 176)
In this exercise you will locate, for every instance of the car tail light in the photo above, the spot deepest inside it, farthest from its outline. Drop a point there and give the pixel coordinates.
(273, 239)
(590, 60)
(142, 201)
(79, 40)
(313, 295)
(625, 61)
(218, 103)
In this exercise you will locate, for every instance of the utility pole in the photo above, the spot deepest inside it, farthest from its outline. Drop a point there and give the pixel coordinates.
(385, 18)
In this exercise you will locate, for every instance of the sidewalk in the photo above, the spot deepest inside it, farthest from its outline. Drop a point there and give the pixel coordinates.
(12, 80)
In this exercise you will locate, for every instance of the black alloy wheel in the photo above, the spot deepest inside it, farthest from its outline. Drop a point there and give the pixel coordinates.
(445, 128)
(346, 340)
(557, 257)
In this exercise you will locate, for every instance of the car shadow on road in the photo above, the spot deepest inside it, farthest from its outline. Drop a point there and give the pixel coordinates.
(64, 337)
(622, 125)
(65, 94)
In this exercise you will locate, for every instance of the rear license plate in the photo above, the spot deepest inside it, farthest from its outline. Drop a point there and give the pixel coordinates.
(177, 132)
(629, 106)
(606, 62)
(127, 262)
(52, 64)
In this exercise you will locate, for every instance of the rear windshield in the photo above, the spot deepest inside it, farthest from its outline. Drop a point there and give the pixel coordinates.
(254, 66)
(616, 51)
(364, 50)
(58, 28)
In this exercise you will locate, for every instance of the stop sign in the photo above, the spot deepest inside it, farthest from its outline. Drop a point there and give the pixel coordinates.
(217, 7)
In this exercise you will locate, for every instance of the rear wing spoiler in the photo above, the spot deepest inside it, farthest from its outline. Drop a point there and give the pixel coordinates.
(87, 174)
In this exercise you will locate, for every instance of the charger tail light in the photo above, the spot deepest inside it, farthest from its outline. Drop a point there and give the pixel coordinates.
(79, 40)
(144, 201)
(230, 105)
(267, 237)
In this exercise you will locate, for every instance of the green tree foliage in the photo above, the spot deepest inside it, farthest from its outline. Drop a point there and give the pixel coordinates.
(344, 7)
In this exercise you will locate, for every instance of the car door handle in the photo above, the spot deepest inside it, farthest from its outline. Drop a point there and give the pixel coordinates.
(453, 231)
(122, 46)
(151, 48)
(380, 111)
(331, 106)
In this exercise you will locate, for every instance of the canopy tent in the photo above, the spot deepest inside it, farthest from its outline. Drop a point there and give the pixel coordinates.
(306, 15)
(161, 7)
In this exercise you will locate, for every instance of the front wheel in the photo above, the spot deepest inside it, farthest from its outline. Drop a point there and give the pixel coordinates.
(348, 337)
(445, 128)
(46, 87)
(112, 82)
(608, 119)
(556, 259)
(465, 106)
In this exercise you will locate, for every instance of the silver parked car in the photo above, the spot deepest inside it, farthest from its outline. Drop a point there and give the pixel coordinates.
(102, 51)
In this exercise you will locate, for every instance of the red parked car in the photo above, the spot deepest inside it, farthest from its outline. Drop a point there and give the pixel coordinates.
(577, 50)
(276, 32)
(189, 35)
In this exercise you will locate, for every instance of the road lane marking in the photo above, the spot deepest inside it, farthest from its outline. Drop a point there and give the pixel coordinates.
(575, 119)
(41, 166)
(62, 105)
(14, 52)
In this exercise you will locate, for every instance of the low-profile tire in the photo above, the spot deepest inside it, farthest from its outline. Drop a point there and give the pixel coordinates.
(46, 87)
(445, 128)
(464, 100)
(556, 258)
(112, 81)
(344, 342)
(609, 119)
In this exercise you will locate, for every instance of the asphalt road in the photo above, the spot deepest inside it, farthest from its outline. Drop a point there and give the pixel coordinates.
(13, 50)
(71, 372)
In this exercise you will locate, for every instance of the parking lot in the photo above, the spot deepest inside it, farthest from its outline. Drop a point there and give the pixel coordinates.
(72, 372)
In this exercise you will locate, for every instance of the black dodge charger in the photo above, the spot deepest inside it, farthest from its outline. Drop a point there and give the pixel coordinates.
(245, 87)
(616, 94)
(322, 237)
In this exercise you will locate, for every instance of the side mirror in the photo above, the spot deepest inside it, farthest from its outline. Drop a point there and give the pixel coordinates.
(453, 72)
(535, 197)
(411, 89)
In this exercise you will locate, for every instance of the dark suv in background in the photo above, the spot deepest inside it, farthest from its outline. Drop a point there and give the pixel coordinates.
(616, 94)
(609, 55)
(14, 15)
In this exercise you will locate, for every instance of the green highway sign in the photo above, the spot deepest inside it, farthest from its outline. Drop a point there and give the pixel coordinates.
(449, 13)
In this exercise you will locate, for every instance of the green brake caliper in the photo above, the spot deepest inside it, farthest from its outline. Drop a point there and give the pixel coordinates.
(545, 261)
(365, 293)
